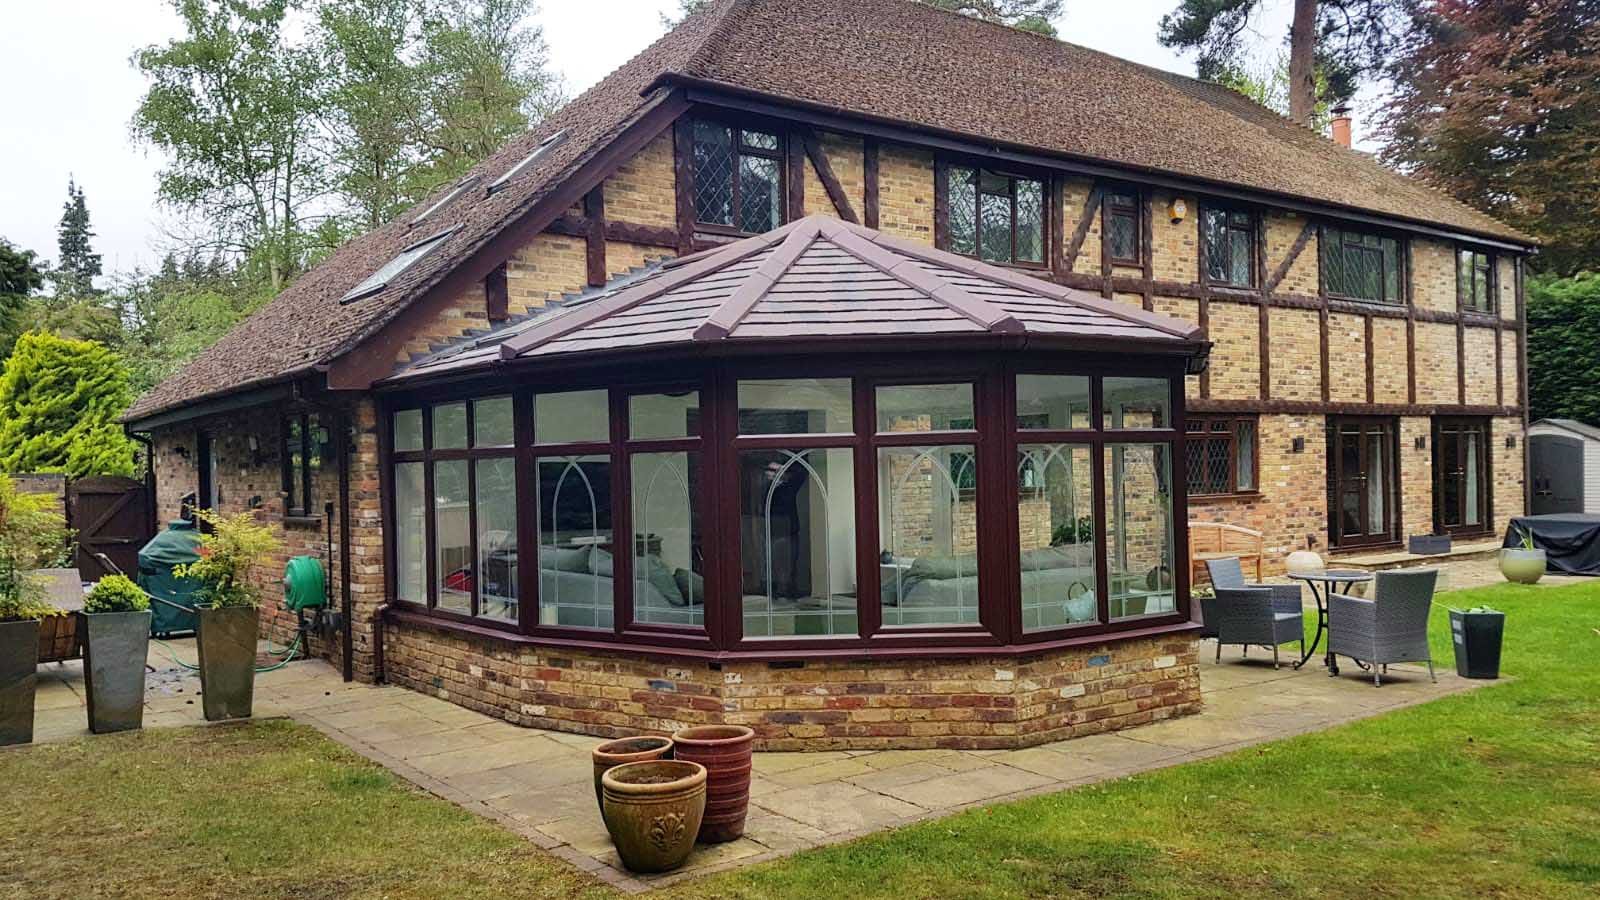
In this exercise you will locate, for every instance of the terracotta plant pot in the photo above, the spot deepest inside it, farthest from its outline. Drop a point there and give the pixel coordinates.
(653, 811)
(226, 641)
(19, 679)
(115, 645)
(627, 750)
(1522, 566)
(725, 752)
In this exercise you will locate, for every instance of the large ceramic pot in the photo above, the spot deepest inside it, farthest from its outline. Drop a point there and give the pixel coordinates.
(653, 811)
(725, 752)
(1522, 566)
(115, 645)
(226, 639)
(19, 679)
(626, 750)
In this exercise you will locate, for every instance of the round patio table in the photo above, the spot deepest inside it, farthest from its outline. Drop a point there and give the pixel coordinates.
(1333, 581)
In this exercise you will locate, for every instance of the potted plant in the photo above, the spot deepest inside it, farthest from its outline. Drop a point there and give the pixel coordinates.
(1524, 563)
(115, 626)
(226, 604)
(611, 754)
(653, 811)
(1476, 635)
(19, 663)
(725, 752)
(31, 534)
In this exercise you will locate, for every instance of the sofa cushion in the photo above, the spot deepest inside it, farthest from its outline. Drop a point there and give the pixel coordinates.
(564, 559)
(939, 568)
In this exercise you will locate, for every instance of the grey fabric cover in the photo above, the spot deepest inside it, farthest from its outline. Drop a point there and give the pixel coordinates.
(1391, 627)
(950, 582)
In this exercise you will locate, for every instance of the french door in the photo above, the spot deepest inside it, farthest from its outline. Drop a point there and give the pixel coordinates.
(1460, 475)
(1362, 478)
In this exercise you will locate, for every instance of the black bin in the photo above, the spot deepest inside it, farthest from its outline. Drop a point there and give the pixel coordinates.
(1476, 634)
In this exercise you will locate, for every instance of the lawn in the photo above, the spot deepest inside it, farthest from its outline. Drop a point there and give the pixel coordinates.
(1494, 793)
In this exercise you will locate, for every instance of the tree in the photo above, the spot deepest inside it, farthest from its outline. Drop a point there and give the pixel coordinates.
(1564, 347)
(21, 274)
(78, 265)
(234, 104)
(1028, 15)
(1269, 86)
(1495, 102)
(178, 312)
(1346, 40)
(59, 402)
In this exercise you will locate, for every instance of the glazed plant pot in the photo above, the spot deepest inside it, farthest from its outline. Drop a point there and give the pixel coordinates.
(19, 679)
(1522, 566)
(115, 645)
(725, 752)
(626, 750)
(653, 811)
(226, 639)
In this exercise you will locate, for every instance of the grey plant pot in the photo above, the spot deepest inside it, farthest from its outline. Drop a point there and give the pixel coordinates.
(19, 679)
(226, 639)
(1522, 566)
(115, 646)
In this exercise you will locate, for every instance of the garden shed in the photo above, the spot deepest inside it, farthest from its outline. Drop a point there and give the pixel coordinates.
(1564, 464)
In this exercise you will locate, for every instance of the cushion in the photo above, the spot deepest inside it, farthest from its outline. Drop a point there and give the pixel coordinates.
(1064, 557)
(691, 585)
(943, 567)
(563, 559)
(658, 576)
(600, 562)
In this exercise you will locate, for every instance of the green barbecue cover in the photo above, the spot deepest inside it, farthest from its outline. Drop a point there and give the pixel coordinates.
(179, 544)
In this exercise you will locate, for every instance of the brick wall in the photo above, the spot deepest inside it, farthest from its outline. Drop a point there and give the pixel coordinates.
(991, 703)
(905, 192)
(844, 157)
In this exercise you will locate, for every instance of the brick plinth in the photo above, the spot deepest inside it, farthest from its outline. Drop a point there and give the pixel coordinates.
(984, 703)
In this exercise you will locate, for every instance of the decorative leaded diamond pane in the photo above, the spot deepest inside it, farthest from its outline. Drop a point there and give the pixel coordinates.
(1030, 221)
(758, 194)
(963, 195)
(1245, 440)
(759, 140)
(1122, 237)
(995, 220)
(1239, 258)
(713, 173)
(1214, 223)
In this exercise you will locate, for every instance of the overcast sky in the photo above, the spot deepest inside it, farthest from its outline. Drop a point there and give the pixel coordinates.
(71, 92)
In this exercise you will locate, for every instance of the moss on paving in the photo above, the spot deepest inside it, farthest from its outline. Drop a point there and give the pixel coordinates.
(1494, 793)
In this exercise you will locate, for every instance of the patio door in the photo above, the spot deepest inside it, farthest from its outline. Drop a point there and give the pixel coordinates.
(1361, 480)
(1460, 475)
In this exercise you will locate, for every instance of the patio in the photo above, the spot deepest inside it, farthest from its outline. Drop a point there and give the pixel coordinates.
(537, 783)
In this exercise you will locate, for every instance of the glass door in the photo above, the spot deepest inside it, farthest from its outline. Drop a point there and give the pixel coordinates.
(1460, 475)
(1362, 480)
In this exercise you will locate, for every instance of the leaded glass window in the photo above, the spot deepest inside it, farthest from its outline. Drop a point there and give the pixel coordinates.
(1055, 534)
(738, 178)
(1121, 220)
(1221, 454)
(1475, 280)
(1361, 266)
(1230, 247)
(995, 217)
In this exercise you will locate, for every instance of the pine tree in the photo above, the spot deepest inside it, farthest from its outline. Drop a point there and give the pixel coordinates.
(21, 274)
(79, 265)
(59, 403)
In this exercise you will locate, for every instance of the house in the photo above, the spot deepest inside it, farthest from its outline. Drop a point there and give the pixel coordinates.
(1563, 467)
(905, 346)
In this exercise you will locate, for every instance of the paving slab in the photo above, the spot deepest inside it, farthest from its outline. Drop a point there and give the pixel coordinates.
(839, 807)
(962, 788)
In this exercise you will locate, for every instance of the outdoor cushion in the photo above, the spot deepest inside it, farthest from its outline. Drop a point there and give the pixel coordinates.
(691, 585)
(564, 559)
(942, 567)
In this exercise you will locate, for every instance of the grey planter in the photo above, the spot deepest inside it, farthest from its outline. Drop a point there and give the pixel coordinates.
(114, 649)
(19, 679)
(226, 639)
(1522, 566)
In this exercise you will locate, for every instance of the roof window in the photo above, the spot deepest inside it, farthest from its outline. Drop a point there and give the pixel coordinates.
(545, 146)
(394, 268)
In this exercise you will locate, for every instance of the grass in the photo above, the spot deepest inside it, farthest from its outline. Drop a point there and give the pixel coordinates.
(1495, 793)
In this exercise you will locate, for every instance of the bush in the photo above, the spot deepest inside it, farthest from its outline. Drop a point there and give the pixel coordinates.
(59, 402)
(32, 535)
(235, 546)
(115, 593)
(21, 608)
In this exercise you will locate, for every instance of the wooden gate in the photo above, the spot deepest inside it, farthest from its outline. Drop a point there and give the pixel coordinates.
(112, 515)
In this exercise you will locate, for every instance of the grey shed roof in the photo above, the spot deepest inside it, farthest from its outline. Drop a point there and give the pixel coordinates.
(1574, 426)
(822, 280)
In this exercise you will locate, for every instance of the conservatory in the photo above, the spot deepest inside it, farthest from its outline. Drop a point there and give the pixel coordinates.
(819, 444)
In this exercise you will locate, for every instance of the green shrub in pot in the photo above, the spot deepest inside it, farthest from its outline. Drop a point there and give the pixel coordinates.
(226, 604)
(115, 627)
(32, 535)
(115, 594)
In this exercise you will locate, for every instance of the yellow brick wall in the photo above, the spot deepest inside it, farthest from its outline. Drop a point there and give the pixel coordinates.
(1347, 365)
(1189, 311)
(1174, 246)
(1416, 476)
(466, 311)
(1236, 357)
(1390, 381)
(1509, 362)
(641, 191)
(1075, 193)
(1506, 475)
(1479, 363)
(1434, 275)
(905, 192)
(1507, 272)
(1292, 504)
(1282, 230)
(1295, 339)
(543, 269)
(844, 157)
(1436, 363)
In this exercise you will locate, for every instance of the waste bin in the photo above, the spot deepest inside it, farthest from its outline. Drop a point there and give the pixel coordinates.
(1477, 634)
(178, 545)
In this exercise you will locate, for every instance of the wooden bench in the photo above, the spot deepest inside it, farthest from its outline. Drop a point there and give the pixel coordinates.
(1219, 540)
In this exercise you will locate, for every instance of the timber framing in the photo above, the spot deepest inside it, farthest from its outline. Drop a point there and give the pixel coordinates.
(825, 174)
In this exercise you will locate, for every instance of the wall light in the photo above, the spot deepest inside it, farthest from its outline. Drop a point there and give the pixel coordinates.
(1422, 442)
(1511, 441)
(1298, 445)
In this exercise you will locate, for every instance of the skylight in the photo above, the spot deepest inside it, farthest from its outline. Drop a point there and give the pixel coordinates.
(394, 268)
(444, 201)
(545, 146)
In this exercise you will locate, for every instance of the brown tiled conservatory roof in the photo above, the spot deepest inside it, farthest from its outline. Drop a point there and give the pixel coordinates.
(887, 60)
(821, 280)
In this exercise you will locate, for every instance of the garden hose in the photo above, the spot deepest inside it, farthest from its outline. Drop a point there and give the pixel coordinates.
(287, 655)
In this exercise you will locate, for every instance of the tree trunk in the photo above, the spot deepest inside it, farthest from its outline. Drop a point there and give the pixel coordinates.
(1302, 62)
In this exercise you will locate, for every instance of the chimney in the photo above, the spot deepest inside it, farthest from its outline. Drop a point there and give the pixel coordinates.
(1339, 125)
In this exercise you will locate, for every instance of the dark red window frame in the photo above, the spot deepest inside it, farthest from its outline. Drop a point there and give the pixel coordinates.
(1122, 202)
(1467, 284)
(1202, 427)
(942, 235)
(778, 155)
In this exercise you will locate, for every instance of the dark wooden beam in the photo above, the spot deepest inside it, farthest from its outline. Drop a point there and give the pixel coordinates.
(594, 210)
(1288, 261)
(830, 181)
(1205, 329)
(1058, 223)
(1372, 385)
(626, 232)
(1411, 330)
(1324, 354)
(869, 178)
(1147, 240)
(1080, 232)
(795, 162)
(683, 182)
(1264, 347)
(497, 297)
(1346, 408)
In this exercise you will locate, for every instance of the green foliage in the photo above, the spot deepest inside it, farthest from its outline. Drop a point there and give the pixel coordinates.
(228, 554)
(174, 314)
(115, 593)
(1564, 347)
(78, 265)
(21, 274)
(59, 402)
(1269, 86)
(32, 534)
(1079, 532)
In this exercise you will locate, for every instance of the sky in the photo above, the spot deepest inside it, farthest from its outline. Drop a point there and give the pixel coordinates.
(72, 91)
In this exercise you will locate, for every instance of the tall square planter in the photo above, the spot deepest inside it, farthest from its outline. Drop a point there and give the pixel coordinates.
(226, 639)
(115, 645)
(19, 680)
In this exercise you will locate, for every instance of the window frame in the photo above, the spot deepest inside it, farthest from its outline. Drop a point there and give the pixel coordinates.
(1205, 433)
(1491, 281)
(1110, 207)
(1402, 266)
(307, 419)
(979, 169)
(1254, 227)
(737, 128)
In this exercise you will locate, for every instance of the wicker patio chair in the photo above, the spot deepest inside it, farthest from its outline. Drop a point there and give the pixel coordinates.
(1252, 615)
(1392, 627)
(1228, 572)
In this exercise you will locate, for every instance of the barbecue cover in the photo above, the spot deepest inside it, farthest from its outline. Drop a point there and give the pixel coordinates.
(1570, 541)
